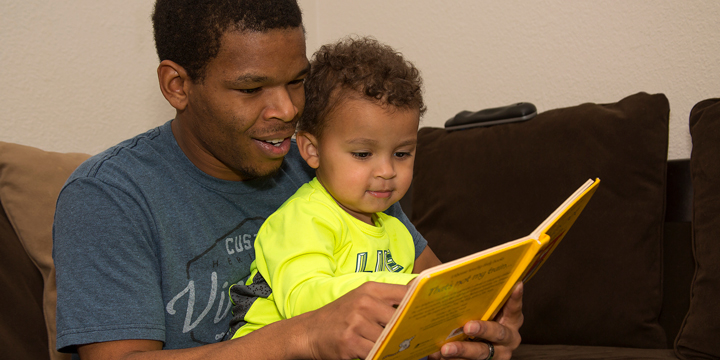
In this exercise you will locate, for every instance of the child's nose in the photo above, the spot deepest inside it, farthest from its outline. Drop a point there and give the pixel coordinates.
(385, 169)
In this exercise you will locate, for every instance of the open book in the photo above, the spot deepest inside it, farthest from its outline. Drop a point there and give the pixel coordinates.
(475, 287)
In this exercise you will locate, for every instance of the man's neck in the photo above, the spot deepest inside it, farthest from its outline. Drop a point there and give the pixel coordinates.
(198, 155)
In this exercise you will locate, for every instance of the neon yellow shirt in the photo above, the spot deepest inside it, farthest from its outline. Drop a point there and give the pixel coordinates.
(317, 252)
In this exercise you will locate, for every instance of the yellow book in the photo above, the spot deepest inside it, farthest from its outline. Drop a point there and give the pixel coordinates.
(475, 287)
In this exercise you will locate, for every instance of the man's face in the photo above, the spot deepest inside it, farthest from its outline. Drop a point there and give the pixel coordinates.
(366, 155)
(240, 117)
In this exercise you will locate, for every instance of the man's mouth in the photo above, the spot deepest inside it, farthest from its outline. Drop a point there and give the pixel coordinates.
(274, 147)
(274, 142)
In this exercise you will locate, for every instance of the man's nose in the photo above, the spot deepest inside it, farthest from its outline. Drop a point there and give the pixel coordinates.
(281, 106)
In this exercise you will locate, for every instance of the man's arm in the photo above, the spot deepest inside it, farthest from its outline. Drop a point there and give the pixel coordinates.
(249, 347)
(344, 329)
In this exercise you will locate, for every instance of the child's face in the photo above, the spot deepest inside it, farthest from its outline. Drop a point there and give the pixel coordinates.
(366, 155)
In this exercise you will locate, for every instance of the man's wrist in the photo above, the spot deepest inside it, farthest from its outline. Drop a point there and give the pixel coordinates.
(295, 337)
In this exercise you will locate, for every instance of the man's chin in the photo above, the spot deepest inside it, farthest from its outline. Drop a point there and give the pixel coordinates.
(258, 172)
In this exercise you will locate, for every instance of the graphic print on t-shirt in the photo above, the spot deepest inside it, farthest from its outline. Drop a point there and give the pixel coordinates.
(384, 262)
(210, 273)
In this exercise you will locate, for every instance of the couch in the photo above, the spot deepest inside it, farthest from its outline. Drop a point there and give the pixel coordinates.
(637, 277)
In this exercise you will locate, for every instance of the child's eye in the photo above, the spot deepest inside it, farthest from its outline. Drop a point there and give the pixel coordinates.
(361, 155)
(402, 154)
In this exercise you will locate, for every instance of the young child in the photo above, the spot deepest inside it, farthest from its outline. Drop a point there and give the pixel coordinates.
(359, 131)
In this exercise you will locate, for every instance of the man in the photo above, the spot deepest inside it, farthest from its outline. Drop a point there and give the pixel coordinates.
(150, 233)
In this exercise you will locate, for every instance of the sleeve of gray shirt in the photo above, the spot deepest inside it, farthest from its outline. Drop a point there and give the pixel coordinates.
(420, 242)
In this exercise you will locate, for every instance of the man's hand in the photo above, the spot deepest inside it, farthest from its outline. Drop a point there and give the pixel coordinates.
(348, 327)
(502, 333)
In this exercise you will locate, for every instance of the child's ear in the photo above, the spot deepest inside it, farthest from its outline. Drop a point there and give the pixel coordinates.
(307, 144)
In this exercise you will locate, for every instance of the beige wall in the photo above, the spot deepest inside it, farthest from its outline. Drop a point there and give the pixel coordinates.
(77, 75)
(80, 75)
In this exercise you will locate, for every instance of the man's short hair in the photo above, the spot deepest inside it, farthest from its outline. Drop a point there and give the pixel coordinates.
(358, 67)
(189, 32)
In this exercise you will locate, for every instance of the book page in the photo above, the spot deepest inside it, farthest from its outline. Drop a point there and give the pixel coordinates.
(554, 231)
(443, 303)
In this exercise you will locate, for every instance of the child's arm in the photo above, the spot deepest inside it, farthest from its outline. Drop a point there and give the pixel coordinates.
(299, 259)
(426, 260)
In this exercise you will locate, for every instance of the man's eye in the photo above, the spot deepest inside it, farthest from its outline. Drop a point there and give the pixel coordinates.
(249, 91)
(298, 81)
(361, 155)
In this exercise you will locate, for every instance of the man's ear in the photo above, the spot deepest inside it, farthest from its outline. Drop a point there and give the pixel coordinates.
(174, 83)
(307, 144)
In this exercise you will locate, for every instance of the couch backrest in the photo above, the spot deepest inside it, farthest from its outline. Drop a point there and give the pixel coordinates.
(22, 325)
(678, 262)
(30, 181)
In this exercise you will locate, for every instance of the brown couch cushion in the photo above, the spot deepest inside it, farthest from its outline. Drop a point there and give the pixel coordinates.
(569, 352)
(30, 181)
(22, 325)
(480, 187)
(700, 332)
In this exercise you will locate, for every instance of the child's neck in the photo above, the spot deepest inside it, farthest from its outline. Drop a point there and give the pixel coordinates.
(366, 218)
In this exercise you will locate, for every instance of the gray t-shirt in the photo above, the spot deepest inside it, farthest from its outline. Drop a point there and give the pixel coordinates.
(146, 244)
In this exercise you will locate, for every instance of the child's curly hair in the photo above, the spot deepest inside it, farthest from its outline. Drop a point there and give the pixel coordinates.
(361, 67)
